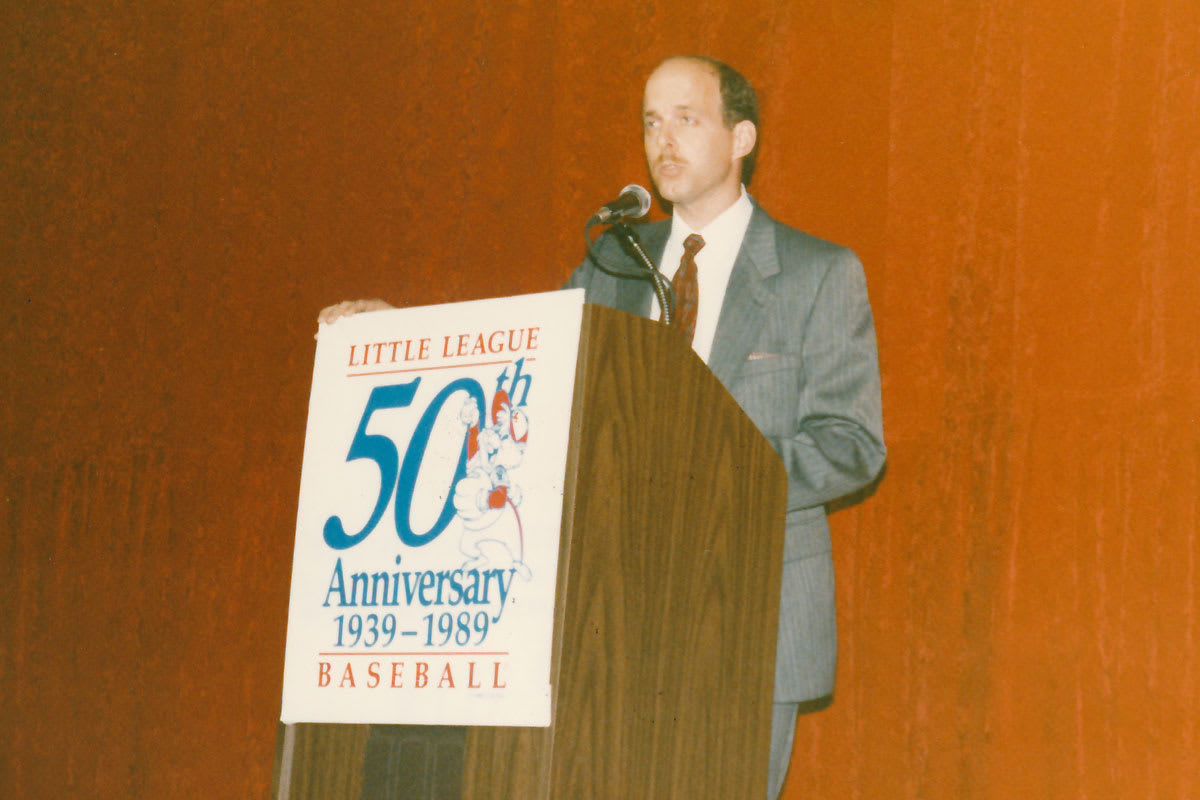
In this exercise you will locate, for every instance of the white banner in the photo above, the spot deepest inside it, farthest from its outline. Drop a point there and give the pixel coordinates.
(430, 507)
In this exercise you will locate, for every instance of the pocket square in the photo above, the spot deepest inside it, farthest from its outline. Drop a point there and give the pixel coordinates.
(761, 356)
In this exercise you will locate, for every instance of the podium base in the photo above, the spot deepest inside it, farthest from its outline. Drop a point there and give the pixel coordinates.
(421, 762)
(369, 762)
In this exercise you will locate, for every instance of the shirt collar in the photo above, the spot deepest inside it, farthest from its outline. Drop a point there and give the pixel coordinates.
(729, 225)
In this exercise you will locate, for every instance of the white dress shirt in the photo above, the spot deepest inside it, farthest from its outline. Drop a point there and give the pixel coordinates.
(714, 263)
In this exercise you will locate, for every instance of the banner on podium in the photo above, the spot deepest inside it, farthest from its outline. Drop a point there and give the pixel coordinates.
(431, 494)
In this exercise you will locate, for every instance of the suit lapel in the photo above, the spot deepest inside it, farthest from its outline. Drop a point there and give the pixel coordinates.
(746, 298)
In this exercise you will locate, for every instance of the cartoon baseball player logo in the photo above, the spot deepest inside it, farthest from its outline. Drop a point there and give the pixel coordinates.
(486, 500)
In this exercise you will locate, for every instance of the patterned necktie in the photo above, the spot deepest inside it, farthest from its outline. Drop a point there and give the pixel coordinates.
(687, 288)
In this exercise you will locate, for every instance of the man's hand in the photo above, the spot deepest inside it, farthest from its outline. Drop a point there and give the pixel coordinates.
(348, 308)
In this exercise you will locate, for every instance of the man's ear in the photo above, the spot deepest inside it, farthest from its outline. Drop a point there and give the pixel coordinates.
(745, 134)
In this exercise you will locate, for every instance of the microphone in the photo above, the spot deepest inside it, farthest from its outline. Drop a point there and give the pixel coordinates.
(633, 202)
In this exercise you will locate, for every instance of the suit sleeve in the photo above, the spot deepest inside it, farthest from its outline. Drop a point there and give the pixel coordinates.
(837, 445)
(580, 276)
(588, 276)
(602, 287)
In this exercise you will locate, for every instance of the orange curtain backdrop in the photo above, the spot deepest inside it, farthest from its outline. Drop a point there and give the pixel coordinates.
(183, 187)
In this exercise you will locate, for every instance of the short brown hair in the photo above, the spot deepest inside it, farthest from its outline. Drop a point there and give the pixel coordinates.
(739, 102)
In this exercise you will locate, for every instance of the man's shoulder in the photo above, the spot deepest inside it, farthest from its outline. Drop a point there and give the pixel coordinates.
(791, 239)
(797, 252)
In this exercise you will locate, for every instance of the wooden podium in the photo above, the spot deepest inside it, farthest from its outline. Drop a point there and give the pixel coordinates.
(666, 609)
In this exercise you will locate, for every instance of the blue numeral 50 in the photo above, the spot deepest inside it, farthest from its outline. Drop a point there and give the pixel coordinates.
(394, 476)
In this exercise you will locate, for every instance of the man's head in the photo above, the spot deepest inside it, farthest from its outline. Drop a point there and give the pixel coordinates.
(700, 125)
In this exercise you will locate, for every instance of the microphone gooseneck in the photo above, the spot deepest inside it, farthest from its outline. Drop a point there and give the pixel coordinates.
(633, 202)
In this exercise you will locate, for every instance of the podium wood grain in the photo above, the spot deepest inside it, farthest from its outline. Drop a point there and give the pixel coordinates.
(668, 588)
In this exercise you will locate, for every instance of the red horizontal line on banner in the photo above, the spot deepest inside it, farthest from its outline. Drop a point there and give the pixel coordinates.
(424, 369)
(347, 653)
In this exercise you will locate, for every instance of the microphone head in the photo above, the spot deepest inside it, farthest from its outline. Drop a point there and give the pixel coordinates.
(643, 198)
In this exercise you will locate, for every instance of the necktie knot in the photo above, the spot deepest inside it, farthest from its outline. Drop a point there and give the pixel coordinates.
(692, 244)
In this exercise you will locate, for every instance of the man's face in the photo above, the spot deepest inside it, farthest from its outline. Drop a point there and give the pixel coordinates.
(694, 159)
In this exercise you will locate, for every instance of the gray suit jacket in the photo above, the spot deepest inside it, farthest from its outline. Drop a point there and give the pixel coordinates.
(795, 346)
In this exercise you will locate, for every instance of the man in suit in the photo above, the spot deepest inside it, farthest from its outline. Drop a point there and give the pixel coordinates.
(783, 321)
